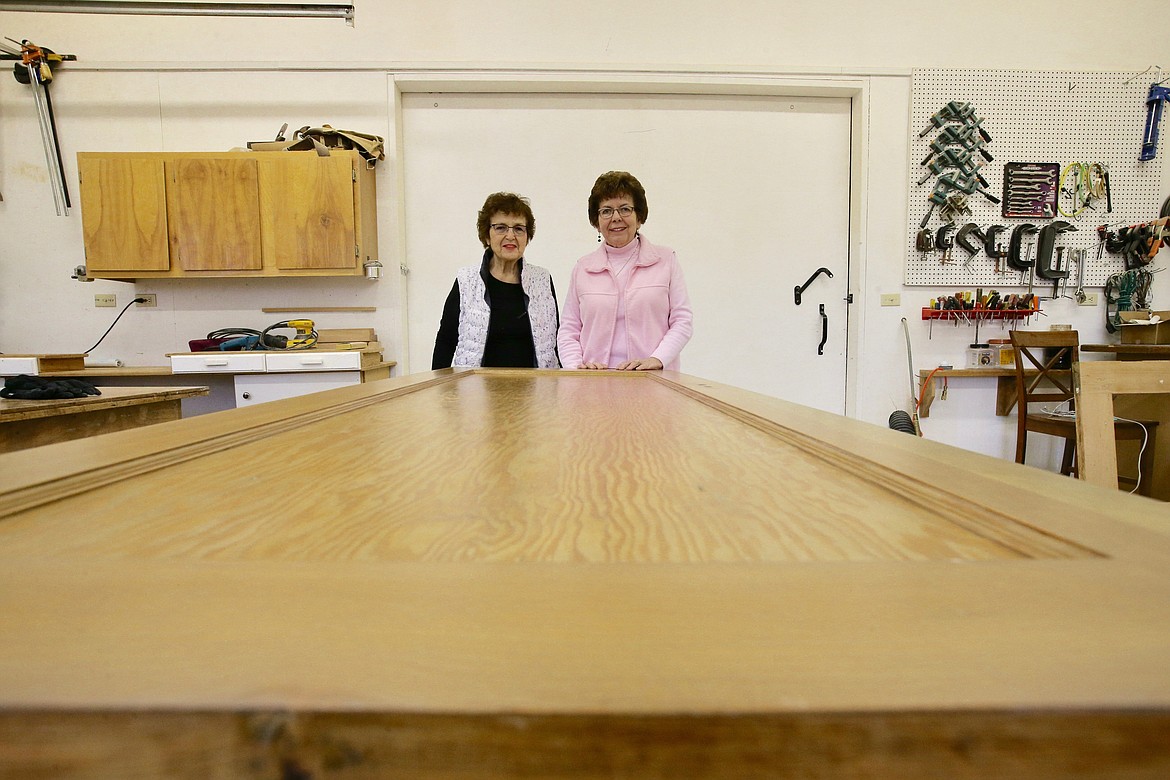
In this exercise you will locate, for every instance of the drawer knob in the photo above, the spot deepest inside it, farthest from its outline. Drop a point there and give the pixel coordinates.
(246, 396)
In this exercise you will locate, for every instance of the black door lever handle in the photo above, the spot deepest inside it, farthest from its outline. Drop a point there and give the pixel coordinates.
(824, 331)
(804, 287)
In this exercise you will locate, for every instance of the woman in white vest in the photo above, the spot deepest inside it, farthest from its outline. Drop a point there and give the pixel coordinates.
(502, 312)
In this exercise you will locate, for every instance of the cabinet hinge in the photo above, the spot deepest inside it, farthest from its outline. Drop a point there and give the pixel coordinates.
(357, 251)
(352, 175)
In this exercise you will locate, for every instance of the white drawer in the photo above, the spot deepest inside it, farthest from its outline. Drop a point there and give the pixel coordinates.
(218, 363)
(313, 361)
(11, 366)
(259, 388)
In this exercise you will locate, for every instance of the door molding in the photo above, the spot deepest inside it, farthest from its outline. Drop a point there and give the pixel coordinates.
(656, 83)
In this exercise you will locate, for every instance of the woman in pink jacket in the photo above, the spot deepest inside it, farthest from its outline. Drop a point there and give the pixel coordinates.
(627, 306)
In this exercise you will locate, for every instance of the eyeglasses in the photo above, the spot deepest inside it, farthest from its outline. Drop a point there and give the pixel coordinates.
(520, 231)
(607, 212)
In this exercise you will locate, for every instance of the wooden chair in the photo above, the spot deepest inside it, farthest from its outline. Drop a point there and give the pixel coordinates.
(1096, 384)
(1050, 385)
(1052, 355)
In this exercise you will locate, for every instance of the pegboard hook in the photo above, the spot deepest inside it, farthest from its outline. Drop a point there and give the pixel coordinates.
(1157, 68)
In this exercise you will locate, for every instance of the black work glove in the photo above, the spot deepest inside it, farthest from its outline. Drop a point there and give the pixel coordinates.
(38, 388)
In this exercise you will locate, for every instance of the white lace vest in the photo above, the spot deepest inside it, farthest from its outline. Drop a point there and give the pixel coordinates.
(474, 315)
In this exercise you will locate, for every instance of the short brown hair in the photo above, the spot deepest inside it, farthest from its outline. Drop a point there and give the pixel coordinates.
(613, 185)
(504, 203)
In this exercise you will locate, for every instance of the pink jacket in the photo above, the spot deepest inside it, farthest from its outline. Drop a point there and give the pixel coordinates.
(658, 310)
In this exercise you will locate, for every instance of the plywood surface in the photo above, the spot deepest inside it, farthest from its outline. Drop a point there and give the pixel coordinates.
(589, 551)
(493, 468)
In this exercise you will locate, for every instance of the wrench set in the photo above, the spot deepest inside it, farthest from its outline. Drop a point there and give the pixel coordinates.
(1030, 189)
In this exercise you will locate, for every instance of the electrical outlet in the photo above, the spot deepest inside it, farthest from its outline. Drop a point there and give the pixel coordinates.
(1090, 299)
(892, 299)
(103, 301)
(151, 299)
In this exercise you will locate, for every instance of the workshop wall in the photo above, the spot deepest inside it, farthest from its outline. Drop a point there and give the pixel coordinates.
(170, 96)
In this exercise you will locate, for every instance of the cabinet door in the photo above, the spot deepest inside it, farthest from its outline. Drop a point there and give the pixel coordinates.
(214, 208)
(123, 213)
(309, 210)
(261, 388)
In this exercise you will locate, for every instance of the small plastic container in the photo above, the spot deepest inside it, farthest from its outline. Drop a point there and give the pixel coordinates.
(981, 356)
(1005, 353)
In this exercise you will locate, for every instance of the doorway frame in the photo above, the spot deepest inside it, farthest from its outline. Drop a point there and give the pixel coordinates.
(855, 89)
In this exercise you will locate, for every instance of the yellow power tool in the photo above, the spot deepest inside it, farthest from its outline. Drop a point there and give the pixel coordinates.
(306, 335)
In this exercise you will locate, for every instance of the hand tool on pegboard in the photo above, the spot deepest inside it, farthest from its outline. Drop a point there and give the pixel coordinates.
(970, 237)
(1052, 262)
(1082, 184)
(1157, 97)
(1030, 189)
(35, 67)
(944, 244)
(954, 111)
(951, 157)
(969, 139)
(992, 246)
(1016, 257)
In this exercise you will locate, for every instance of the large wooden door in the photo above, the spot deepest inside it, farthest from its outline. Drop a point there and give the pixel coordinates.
(752, 192)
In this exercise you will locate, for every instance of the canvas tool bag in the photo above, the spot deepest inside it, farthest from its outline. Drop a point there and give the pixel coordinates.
(323, 138)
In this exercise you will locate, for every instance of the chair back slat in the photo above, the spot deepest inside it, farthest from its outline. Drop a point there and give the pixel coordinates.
(1053, 381)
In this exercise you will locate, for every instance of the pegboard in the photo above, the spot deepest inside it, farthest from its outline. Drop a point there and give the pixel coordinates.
(1035, 117)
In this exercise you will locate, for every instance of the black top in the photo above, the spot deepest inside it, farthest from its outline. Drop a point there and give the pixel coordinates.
(509, 339)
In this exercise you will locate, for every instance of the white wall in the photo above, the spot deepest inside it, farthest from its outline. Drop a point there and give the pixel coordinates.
(146, 83)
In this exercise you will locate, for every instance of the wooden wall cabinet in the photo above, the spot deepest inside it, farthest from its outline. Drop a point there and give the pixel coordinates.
(220, 214)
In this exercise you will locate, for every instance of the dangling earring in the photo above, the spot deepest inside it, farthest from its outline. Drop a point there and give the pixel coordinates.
(599, 238)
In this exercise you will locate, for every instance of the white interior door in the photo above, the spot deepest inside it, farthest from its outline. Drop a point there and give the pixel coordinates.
(751, 192)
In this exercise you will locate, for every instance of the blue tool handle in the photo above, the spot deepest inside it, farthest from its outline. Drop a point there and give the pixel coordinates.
(1158, 96)
(243, 342)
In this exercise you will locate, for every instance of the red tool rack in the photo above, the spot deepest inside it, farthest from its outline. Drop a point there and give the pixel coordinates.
(978, 313)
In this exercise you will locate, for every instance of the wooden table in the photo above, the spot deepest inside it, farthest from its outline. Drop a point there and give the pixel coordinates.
(26, 424)
(1131, 351)
(571, 574)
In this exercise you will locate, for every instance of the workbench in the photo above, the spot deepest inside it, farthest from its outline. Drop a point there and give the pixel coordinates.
(1005, 385)
(1005, 395)
(229, 388)
(1131, 351)
(508, 572)
(26, 424)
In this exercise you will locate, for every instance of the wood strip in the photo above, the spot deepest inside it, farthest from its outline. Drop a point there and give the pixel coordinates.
(346, 334)
(956, 745)
(305, 309)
